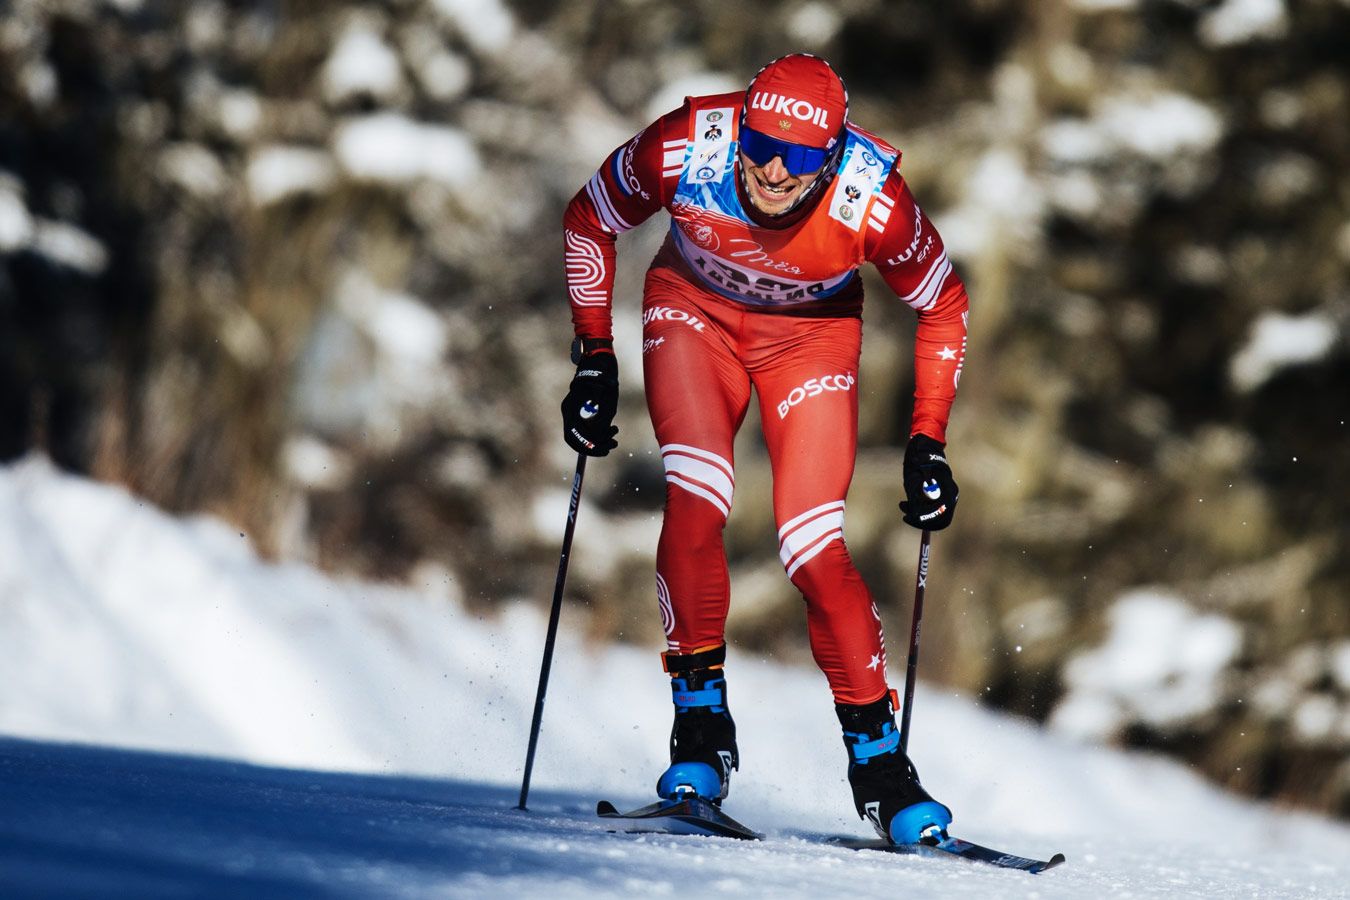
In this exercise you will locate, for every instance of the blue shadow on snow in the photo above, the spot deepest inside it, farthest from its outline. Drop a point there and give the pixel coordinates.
(84, 820)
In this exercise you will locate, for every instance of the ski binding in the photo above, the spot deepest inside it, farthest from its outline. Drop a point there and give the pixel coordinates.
(689, 815)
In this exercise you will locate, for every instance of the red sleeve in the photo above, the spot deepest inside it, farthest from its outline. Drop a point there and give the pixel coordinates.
(632, 183)
(909, 254)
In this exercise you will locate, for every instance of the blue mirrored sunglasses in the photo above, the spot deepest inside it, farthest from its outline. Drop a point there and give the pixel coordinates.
(798, 160)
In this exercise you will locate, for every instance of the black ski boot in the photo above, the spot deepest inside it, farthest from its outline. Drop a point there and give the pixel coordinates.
(885, 784)
(703, 739)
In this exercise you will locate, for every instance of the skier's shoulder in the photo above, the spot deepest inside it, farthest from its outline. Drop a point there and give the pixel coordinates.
(720, 112)
(726, 100)
(700, 111)
(873, 140)
(876, 160)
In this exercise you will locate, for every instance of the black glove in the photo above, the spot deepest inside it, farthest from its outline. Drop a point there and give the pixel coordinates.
(591, 402)
(929, 486)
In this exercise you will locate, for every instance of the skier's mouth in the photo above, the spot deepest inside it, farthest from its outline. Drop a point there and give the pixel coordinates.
(771, 197)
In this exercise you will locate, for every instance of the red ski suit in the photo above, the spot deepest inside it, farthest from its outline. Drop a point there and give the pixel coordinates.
(735, 299)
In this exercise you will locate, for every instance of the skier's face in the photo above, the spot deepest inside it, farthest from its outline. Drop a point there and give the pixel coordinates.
(771, 188)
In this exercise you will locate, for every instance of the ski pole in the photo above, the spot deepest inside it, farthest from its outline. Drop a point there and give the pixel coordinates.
(912, 667)
(553, 624)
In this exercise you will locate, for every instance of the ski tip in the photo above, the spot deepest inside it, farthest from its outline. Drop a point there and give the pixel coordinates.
(605, 808)
(1050, 863)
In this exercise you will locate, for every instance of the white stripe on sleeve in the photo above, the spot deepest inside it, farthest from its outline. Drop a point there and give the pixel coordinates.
(925, 295)
(604, 206)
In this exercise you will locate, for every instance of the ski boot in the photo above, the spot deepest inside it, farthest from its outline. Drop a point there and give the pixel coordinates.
(703, 739)
(885, 784)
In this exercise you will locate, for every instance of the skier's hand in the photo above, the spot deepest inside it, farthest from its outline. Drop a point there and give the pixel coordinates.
(591, 402)
(929, 486)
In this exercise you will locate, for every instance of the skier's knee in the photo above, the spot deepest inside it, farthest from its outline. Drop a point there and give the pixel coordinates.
(698, 522)
(824, 572)
(699, 483)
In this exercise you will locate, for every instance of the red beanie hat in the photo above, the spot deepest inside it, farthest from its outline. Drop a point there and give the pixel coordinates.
(799, 99)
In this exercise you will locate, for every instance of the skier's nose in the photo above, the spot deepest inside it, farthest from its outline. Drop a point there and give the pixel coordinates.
(775, 171)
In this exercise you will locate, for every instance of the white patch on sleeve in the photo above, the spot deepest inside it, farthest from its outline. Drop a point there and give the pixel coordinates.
(710, 159)
(860, 176)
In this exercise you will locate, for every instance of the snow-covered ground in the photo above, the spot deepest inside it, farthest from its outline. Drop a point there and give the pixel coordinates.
(122, 626)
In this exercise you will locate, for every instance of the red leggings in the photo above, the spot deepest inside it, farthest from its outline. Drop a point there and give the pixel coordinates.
(701, 355)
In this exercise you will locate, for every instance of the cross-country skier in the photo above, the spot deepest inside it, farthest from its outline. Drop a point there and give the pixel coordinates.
(775, 201)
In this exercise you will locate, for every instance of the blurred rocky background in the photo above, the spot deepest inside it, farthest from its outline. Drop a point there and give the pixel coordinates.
(298, 264)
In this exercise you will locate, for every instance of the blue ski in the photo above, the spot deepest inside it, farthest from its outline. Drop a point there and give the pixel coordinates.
(946, 844)
(694, 815)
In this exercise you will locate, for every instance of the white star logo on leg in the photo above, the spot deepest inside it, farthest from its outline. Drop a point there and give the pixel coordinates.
(876, 661)
(947, 353)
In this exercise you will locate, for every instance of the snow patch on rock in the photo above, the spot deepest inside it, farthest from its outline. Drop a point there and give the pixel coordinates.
(361, 64)
(1277, 341)
(276, 172)
(397, 150)
(1241, 21)
(1161, 664)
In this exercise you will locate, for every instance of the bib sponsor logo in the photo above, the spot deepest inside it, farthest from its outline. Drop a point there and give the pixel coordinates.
(702, 233)
(783, 105)
(651, 344)
(670, 314)
(814, 387)
(759, 289)
(753, 253)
